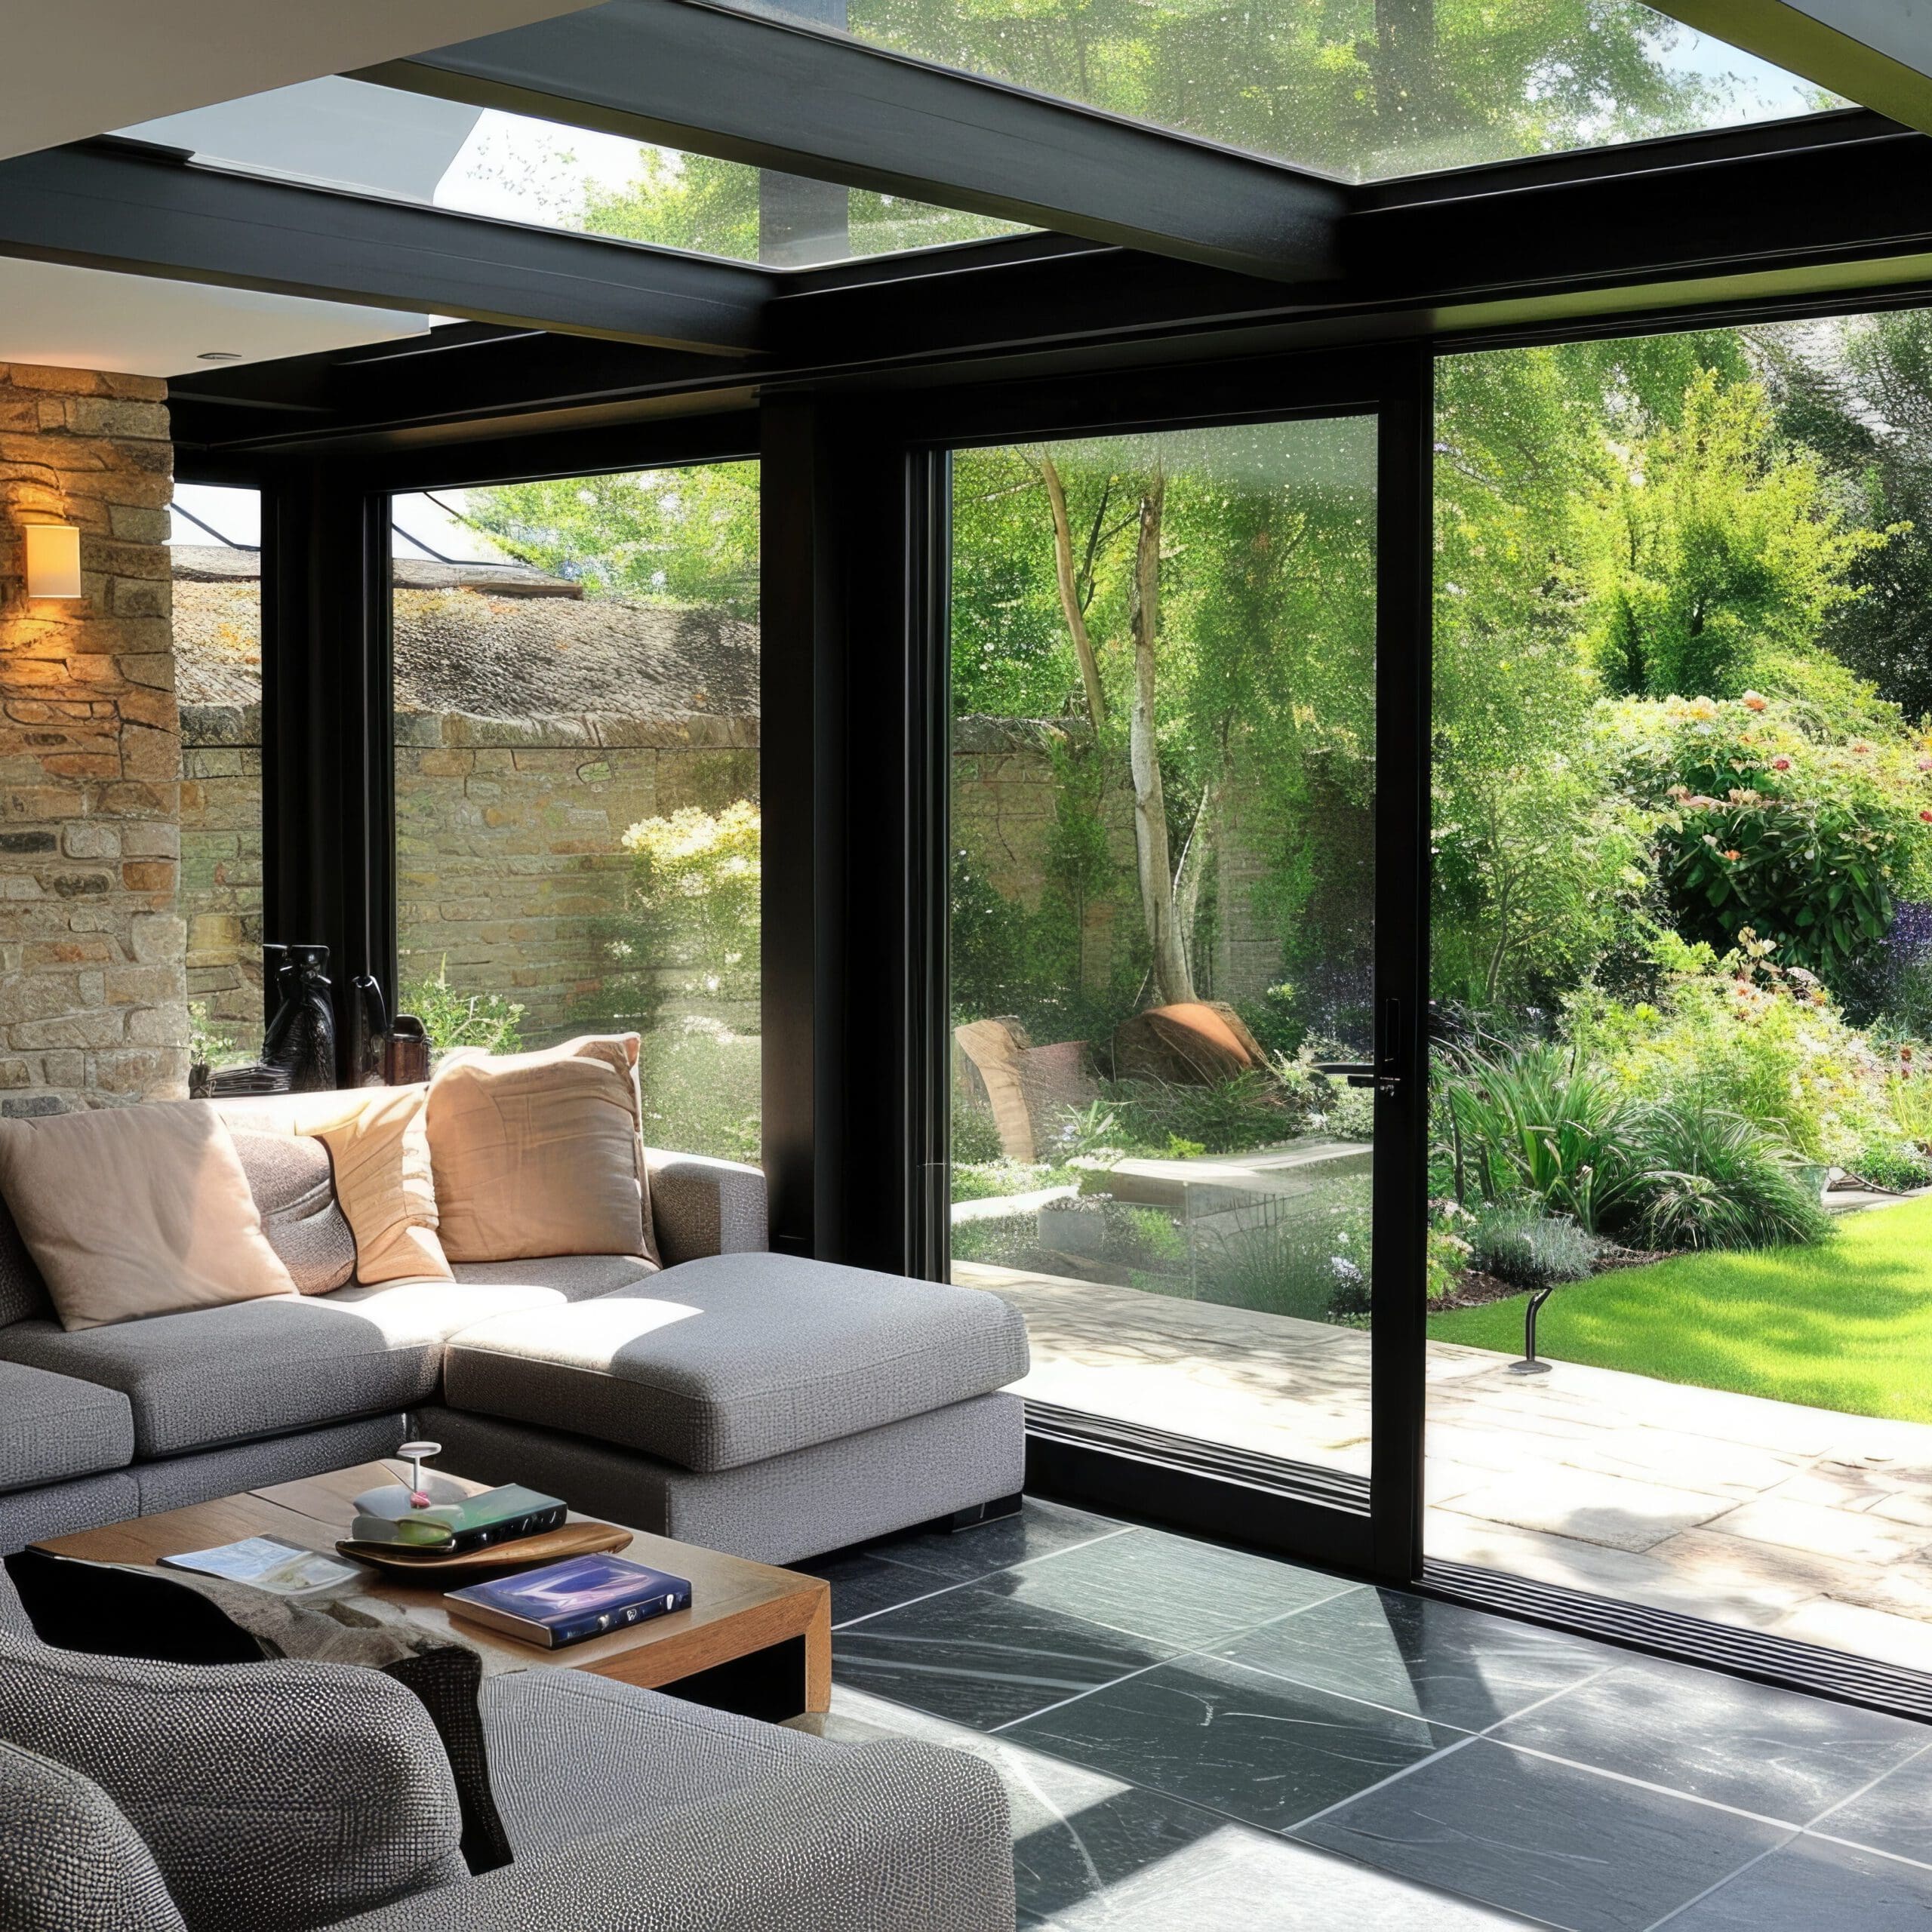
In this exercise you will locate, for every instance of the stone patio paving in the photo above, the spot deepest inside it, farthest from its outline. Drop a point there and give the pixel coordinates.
(1802, 1521)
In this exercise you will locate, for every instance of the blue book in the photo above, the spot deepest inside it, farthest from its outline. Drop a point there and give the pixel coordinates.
(565, 1603)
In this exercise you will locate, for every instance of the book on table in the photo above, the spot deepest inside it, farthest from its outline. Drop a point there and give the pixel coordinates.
(569, 1602)
(269, 1563)
(497, 1515)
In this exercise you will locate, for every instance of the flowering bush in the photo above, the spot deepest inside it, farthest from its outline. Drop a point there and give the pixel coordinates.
(1769, 815)
(1742, 1033)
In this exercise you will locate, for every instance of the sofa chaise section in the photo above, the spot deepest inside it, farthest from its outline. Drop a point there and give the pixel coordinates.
(760, 1403)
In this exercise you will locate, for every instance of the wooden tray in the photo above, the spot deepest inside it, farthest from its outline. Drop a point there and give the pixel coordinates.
(573, 1539)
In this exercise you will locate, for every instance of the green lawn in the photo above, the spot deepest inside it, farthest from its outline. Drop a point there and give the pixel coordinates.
(1846, 1326)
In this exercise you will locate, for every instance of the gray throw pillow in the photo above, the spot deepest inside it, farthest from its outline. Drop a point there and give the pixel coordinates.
(278, 1794)
(293, 1185)
(181, 1616)
(69, 1861)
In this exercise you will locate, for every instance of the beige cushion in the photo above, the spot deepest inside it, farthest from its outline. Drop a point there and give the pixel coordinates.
(540, 1153)
(136, 1210)
(376, 1141)
(382, 1179)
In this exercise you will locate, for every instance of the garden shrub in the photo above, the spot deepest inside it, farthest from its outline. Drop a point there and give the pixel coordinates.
(1519, 1242)
(1741, 1034)
(703, 1089)
(975, 1134)
(1003, 1242)
(699, 882)
(212, 1043)
(451, 1018)
(1350, 1115)
(1539, 1122)
(1087, 1133)
(987, 1180)
(1892, 1164)
(1251, 1109)
(1717, 1180)
(1908, 1089)
(1447, 1252)
(1309, 1257)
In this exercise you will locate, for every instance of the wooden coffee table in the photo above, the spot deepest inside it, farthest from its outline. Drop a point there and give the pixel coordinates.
(756, 1640)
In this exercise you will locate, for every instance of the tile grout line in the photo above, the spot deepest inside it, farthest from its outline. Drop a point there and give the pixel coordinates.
(1678, 1911)
(1462, 1743)
(1160, 1663)
(1395, 1710)
(1113, 1683)
(1647, 1784)
(1870, 1850)
(967, 1583)
(1852, 1797)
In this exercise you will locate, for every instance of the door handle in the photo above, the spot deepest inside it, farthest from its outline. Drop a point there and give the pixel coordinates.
(1357, 1073)
(1384, 1073)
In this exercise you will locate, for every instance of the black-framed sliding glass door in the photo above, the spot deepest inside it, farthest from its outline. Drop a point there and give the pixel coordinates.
(1183, 852)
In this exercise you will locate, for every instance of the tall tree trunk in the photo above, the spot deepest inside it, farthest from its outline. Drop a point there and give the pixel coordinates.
(1173, 977)
(1069, 597)
(1195, 858)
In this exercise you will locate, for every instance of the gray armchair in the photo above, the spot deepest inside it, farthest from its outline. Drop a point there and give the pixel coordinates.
(147, 1798)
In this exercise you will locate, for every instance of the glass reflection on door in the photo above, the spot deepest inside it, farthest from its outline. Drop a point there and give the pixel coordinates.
(1162, 898)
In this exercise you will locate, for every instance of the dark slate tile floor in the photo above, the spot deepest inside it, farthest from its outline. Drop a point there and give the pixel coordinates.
(1194, 1737)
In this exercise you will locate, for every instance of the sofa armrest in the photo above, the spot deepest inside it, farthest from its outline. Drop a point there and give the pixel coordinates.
(892, 1836)
(700, 1206)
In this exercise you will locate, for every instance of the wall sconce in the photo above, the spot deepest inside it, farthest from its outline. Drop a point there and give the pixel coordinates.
(53, 560)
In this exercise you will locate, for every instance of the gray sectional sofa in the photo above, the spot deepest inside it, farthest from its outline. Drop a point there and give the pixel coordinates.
(138, 1797)
(768, 1406)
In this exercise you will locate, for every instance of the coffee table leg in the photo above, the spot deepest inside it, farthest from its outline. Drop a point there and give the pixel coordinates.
(818, 1657)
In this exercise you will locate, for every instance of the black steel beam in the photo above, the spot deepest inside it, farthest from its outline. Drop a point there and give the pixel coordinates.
(145, 211)
(1553, 242)
(781, 95)
(1513, 234)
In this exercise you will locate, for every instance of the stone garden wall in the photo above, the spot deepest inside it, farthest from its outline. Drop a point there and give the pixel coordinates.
(92, 992)
(509, 867)
(510, 870)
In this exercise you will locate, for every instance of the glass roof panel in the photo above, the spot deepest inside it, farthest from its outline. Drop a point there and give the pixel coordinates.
(1364, 90)
(381, 140)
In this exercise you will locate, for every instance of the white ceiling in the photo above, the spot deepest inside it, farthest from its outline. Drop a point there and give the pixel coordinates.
(138, 325)
(70, 69)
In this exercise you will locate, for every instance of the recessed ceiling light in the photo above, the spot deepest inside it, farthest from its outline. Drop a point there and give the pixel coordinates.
(219, 355)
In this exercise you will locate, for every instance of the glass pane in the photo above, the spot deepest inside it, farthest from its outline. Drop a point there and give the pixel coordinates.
(1163, 784)
(481, 160)
(1363, 89)
(215, 547)
(576, 777)
(1682, 965)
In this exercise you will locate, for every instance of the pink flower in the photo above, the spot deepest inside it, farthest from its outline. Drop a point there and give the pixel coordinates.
(1926, 816)
(1752, 702)
(1734, 854)
(1859, 748)
(1780, 764)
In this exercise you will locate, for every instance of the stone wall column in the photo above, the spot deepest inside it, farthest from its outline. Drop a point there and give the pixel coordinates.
(93, 951)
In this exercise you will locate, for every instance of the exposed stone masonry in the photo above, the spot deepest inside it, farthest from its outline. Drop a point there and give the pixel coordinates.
(92, 987)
